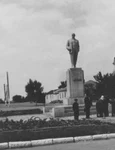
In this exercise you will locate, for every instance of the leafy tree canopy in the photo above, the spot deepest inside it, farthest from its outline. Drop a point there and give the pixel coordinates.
(18, 98)
(63, 84)
(105, 84)
(34, 90)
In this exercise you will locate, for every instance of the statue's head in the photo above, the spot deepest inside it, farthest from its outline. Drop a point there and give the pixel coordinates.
(73, 35)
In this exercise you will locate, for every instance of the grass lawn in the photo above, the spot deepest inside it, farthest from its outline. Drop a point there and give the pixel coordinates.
(18, 106)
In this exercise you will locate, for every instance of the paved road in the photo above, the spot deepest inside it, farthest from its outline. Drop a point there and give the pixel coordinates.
(94, 145)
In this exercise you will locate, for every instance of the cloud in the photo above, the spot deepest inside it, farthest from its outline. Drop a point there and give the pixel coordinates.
(66, 14)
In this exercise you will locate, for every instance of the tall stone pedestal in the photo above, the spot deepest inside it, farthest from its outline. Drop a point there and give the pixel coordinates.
(75, 85)
(75, 89)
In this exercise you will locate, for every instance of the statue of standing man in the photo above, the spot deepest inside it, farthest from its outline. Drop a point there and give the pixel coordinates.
(73, 48)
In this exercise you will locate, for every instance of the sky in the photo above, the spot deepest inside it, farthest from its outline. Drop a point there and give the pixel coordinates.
(33, 37)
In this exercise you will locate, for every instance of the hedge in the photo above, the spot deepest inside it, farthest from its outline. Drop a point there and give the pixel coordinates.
(36, 123)
(55, 132)
(34, 129)
(20, 112)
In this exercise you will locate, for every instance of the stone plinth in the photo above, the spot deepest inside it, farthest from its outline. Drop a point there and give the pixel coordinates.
(67, 110)
(75, 85)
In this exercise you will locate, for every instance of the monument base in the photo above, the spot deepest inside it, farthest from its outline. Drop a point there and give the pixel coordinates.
(66, 111)
(70, 101)
(75, 86)
(62, 111)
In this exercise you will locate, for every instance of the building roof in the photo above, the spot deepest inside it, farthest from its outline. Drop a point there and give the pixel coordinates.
(51, 92)
(56, 91)
(61, 90)
(90, 82)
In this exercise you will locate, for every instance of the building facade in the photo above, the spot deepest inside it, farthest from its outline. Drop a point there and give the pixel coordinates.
(54, 95)
(61, 94)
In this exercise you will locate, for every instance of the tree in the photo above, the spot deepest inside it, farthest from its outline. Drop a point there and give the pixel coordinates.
(105, 84)
(34, 91)
(18, 98)
(62, 85)
(90, 89)
(1, 101)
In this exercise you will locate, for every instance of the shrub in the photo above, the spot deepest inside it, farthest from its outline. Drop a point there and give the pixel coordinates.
(35, 128)
(56, 101)
(36, 123)
(20, 112)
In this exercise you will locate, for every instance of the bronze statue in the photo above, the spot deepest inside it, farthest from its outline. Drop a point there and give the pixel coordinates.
(73, 48)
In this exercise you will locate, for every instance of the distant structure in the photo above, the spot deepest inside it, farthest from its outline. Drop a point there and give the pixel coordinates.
(7, 92)
(114, 66)
(92, 83)
(54, 95)
(61, 94)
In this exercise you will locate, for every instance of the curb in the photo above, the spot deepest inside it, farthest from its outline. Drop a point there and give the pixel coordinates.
(33, 143)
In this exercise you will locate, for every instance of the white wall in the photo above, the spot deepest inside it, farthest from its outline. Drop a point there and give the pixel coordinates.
(52, 97)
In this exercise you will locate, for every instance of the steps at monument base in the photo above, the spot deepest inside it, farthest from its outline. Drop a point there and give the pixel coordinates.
(55, 111)
(69, 112)
(62, 111)
(48, 108)
(92, 112)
